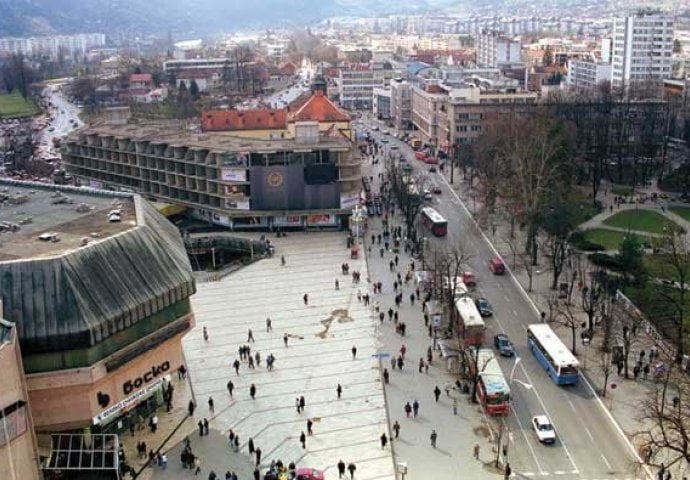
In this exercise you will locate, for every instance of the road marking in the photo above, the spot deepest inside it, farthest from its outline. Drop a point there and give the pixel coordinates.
(571, 405)
(506, 297)
(608, 465)
(559, 472)
(515, 313)
(589, 434)
(531, 449)
(608, 414)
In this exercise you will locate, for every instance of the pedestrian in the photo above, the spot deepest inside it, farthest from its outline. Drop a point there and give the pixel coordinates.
(408, 409)
(154, 423)
(354, 352)
(390, 314)
(433, 438)
(421, 364)
(306, 298)
(645, 371)
(385, 376)
(231, 438)
(636, 371)
(197, 464)
(299, 410)
(381, 316)
(250, 446)
(200, 424)
(285, 339)
(619, 366)
(257, 474)
(412, 299)
(206, 426)
(257, 357)
(455, 406)
(415, 408)
(337, 284)
(164, 461)
(507, 472)
(309, 425)
(352, 468)
(400, 362)
(396, 429)
(250, 362)
(393, 362)
(476, 451)
(396, 260)
(252, 391)
(250, 335)
(437, 393)
(384, 440)
(257, 452)
(269, 326)
(302, 403)
(403, 350)
(303, 440)
(341, 468)
(236, 446)
(191, 407)
(236, 364)
(205, 334)
(660, 472)
(210, 405)
(339, 391)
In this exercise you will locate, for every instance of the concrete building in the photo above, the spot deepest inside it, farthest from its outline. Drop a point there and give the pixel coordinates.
(642, 49)
(494, 49)
(382, 103)
(97, 286)
(312, 179)
(53, 45)
(427, 99)
(401, 104)
(587, 73)
(356, 83)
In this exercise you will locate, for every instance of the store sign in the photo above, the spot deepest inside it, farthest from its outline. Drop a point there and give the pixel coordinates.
(129, 386)
(287, 221)
(239, 203)
(320, 220)
(233, 174)
(127, 402)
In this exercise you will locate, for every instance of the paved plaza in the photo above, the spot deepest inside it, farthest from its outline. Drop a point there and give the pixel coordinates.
(318, 358)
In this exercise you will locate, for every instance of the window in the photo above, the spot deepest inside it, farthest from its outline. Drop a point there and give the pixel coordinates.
(12, 421)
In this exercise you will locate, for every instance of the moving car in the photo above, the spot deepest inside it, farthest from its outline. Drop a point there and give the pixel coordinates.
(484, 307)
(504, 345)
(497, 266)
(543, 428)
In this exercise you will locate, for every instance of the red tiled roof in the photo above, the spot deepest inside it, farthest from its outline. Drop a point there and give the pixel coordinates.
(229, 120)
(140, 78)
(319, 109)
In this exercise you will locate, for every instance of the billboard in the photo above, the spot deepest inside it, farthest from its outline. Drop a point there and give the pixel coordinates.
(230, 174)
(321, 220)
(349, 200)
(288, 221)
(277, 187)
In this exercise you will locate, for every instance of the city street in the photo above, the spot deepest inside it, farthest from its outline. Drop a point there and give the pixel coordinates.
(589, 445)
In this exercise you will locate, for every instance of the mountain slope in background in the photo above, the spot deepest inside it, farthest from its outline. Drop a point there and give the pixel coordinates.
(40, 17)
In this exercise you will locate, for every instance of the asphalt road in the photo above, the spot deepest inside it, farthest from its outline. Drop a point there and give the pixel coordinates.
(589, 445)
(63, 113)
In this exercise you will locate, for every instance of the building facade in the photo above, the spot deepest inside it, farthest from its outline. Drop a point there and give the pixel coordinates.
(494, 49)
(311, 179)
(588, 73)
(356, 83)
(53, 45)
(642, 49)
(382, 103)
(401, 104)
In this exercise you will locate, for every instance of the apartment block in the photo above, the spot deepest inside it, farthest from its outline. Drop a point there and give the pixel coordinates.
(642, 49)
(587, 73)
(356, 83)
(52, 45)
(401, 104)
(494, 49)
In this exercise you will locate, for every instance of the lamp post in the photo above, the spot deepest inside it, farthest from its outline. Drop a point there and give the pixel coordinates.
(504, 448)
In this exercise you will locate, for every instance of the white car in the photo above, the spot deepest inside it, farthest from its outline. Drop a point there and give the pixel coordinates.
(543, 428)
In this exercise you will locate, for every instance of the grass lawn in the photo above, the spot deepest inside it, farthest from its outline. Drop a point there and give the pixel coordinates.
(609, 239)
(622, 191)
(642, 220)
(14, 105)
(581, 207)
(681, 212)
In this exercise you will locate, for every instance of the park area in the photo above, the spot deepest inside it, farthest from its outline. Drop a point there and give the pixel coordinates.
(683, 212)
(14, 105)
(640, 220)
(609, 239)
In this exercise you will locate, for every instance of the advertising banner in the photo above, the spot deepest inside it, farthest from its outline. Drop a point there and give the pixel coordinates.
(228, 174)
(321, 220)
(349, 200)
(238, 203)
(288, 221)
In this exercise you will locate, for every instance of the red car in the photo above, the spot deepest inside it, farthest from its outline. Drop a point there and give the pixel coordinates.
(497, 266)
(308, 474)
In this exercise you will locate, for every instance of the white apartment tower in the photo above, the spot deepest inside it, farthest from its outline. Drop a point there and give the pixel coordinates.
(494, 49)
(642, 48)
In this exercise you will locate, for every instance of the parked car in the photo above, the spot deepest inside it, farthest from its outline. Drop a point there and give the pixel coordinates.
(484, 307)
(436, 188)
(308, 474)
(469, 279)
(504, 345)
(497, 266)
(543, 428)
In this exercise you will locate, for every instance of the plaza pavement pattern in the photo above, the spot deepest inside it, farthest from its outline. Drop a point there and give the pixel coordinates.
(317, 358)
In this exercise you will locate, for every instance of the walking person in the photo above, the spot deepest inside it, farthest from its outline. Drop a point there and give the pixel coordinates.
(210, 405)
(337, 284)
(250, 336)
(257, 452)
(205, 334)
(306, 299)
(354, 352)
(415, 408)
(385, 376)
(285, 339)
(384, 440)
(455, 406)
(507, 472)
(250, 446)
(433, 438)
(309, 425)
(236, 364)
(303, 440)
(352, 468)
(191, 407)
(200, 424)
(269, 326)
(252, 391)
(231, 387)
(403, 351)
(396, 429)
(302, 403)
(437, 393)
(339, 391)
(476, 451)
(341, 468)
(408, 409)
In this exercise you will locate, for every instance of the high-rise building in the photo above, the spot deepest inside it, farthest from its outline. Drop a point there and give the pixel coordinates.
(642, 48)
(494, 49)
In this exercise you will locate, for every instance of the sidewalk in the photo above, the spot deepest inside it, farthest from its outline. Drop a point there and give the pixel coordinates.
(623, 400)
(457, 434)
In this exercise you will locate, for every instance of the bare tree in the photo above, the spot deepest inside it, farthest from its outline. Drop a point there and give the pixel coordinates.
(666, 410)
(605, 364)
(449, 264)
(628, 323)
(567, 316)
(678, 261)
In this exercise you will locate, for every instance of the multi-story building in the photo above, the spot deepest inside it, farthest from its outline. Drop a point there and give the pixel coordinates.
(382, 103)
(52, 46)
(427, 99)
(311, 179)
(642, 49)
(587, 73)
(356, 83)
(494, 49)
(401, 104)
(96, 289)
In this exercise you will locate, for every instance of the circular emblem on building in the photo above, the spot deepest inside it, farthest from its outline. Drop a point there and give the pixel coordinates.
(275, 179)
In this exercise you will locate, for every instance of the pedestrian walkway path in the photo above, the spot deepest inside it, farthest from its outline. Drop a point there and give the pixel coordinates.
(318, 357)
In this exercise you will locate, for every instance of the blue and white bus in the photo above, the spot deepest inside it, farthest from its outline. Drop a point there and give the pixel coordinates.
(553, 355)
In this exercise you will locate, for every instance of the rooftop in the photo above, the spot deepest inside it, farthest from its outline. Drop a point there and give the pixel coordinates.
(319, 109)
(72, 215)
(258, 119)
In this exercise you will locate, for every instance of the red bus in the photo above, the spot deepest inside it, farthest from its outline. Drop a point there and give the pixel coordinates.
(434, 222)
(493, 390)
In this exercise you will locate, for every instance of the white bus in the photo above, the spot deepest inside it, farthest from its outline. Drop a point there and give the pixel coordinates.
(553, 355)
